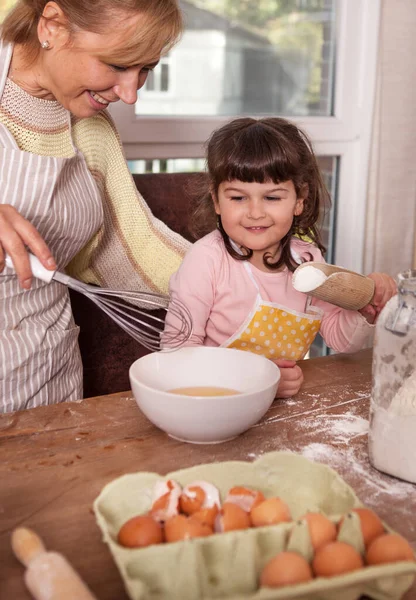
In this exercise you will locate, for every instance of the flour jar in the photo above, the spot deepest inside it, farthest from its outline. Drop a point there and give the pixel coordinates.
(392, 432)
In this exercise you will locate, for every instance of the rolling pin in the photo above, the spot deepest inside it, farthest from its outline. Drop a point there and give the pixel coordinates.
(48, 576)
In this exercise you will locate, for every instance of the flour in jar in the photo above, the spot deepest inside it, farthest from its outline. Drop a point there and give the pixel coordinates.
(392, 439)
(404, 400)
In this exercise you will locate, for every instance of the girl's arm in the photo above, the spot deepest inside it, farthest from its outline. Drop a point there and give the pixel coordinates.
(384, 288)
(348, 330)
(291, 378)
(344, 330)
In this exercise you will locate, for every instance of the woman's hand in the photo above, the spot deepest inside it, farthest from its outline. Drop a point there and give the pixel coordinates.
(15, 234)
(384, 289)
(291, 378)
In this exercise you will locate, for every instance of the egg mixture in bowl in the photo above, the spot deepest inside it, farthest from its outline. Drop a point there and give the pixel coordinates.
(204, 395)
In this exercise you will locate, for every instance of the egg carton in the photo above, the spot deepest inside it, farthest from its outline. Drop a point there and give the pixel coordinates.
(227, 565)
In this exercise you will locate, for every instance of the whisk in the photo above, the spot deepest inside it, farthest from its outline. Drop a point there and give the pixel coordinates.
(129, 309)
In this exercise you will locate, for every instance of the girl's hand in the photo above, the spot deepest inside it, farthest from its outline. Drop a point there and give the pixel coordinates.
(15, 234)
(385, 288)
(291, 378)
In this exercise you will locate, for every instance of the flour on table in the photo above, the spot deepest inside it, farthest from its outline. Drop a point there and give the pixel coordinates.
(357, 461)
(341, 428)
(339, 441)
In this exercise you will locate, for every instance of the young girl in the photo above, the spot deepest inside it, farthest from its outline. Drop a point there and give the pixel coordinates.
(261, 209)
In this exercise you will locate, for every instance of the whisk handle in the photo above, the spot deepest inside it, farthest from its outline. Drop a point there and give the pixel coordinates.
(36, 266)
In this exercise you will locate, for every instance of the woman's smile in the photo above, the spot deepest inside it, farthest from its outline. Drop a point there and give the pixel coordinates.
(97, 101)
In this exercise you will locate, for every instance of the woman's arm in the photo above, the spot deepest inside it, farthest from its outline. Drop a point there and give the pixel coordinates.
(133, 249)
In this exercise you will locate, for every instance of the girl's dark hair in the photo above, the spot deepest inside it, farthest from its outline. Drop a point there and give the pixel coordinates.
(262, 150)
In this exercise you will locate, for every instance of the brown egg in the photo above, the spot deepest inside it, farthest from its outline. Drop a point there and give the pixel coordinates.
(321, 529)
(207, 515)
(139, 532)
(287, 568)
(270, 512)
(389, 548)
(246, 498)
(371, 525)
(336, 558)
(181, 527)
(231, 517)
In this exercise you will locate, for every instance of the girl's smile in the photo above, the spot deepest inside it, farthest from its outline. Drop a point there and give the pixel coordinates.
(257, 229)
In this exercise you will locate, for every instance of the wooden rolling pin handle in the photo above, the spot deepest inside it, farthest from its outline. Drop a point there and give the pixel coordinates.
(26, 545)
(49, 576)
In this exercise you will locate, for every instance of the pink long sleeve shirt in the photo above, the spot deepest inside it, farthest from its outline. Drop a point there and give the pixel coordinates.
(219, 293)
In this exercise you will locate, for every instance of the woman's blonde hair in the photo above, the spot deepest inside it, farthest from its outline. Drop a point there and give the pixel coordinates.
(148, 40)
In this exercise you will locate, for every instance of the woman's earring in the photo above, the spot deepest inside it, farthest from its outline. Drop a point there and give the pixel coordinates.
(45, 45)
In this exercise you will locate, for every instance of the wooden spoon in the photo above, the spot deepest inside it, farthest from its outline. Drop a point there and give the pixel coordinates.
(341, 287)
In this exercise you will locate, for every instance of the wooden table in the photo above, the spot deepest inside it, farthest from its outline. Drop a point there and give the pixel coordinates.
(55, 460)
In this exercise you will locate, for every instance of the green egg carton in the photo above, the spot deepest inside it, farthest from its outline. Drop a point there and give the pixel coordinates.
(226, 566)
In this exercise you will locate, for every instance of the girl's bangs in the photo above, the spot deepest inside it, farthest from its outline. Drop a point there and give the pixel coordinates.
(257, 163)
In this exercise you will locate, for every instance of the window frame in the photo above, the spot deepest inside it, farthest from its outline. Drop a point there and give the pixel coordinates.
(346, 134)
(155, 94)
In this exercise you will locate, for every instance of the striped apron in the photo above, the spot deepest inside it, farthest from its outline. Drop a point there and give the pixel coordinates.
(40, 362)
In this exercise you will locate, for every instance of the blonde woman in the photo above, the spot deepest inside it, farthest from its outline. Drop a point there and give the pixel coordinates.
(65, 190)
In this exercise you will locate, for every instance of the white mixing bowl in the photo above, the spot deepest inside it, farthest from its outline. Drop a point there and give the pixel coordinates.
(204, 419)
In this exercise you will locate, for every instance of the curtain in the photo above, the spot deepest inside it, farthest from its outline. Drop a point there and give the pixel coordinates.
(391, 206)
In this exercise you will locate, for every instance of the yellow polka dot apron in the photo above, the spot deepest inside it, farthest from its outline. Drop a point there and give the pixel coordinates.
(274, 330)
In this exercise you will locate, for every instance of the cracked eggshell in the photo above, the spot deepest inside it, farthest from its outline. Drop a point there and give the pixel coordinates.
(244, 497)
(166, 496)
(199, 495)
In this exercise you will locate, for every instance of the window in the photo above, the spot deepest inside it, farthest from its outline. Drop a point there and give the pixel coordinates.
(172, 165)
(242, 58)
(317, 66)
(159, 81)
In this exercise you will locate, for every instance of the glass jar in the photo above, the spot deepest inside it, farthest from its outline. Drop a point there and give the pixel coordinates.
(392, 433)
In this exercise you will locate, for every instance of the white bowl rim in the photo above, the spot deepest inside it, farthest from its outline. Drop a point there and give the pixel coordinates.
(202, 397)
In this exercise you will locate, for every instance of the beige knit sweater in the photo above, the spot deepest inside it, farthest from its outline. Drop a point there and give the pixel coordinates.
(132, 249)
